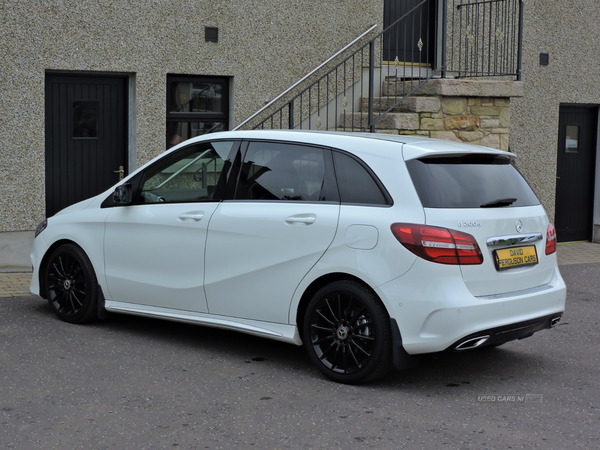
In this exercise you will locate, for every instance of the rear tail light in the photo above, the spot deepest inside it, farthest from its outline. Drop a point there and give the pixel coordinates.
(550, 239)
(439, 245)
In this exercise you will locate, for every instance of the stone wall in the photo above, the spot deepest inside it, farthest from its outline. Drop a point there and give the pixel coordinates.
(475, 112)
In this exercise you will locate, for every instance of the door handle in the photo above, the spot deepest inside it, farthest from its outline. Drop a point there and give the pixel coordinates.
(121, 172)
(194, 215)
(301, 219)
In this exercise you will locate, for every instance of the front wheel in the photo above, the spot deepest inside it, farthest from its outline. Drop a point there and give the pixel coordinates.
(347, 333)
(71, 285)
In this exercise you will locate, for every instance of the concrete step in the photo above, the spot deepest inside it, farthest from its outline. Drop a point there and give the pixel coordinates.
(391, 121)
(400, 88)
(407, 71)
(408, 105)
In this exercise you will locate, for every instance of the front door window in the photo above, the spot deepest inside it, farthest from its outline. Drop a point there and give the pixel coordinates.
(190, 175)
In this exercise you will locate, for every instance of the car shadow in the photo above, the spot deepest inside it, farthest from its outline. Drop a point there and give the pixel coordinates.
(439, 373)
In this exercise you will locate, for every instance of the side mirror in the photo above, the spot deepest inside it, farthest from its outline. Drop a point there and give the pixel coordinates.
(123, 194)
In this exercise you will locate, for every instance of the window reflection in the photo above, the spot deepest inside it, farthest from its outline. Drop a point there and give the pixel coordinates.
(196, 97)
(178, 132)
(572, 139)
(281, 172)
(190, 175)
(196, 105)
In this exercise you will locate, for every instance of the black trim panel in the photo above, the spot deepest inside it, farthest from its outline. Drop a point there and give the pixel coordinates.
(507, 333)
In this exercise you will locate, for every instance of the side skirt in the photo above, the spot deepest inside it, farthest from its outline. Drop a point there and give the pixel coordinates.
(275, 331)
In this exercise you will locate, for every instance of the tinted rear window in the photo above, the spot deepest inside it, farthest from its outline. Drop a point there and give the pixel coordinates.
(356, 184)
(472, 181)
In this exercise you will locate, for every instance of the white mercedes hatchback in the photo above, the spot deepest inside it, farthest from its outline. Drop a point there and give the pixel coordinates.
(367, 249)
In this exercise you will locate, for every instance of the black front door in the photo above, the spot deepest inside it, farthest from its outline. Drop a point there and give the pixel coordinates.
(411, 40)
(86, 137)
(576, 170)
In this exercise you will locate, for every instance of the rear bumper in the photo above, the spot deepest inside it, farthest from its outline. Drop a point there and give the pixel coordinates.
(440, 313)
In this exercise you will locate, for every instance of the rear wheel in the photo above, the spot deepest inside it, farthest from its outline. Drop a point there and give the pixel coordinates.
(347, 333)
(71, 285)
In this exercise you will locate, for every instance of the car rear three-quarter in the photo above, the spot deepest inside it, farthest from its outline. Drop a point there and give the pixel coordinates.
(486, 271)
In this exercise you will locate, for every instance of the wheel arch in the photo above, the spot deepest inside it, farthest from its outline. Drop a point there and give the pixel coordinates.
(317, 284)
(44, 262)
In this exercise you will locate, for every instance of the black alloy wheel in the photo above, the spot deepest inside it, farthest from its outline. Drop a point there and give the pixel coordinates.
(347, 333)
(71, 285)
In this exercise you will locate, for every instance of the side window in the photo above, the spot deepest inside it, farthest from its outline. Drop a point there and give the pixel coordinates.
(355, 183)
(194, 174)
(281, 171)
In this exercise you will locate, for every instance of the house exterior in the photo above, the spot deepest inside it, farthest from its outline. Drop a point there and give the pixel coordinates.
(91, 90)
(559, 108)
(109, 66)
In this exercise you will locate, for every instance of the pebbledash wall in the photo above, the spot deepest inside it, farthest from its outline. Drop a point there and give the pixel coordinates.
(522, 116)
(569, 32)
(264, 46)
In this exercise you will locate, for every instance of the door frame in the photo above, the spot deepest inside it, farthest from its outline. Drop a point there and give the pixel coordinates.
(596, 212)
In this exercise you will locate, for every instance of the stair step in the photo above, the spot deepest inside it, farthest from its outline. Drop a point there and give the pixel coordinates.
(407, 71)
(391, 121)
(409, 105)
(400, 88)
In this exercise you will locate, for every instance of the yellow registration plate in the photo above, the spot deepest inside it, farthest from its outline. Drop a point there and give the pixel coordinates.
(508, 258)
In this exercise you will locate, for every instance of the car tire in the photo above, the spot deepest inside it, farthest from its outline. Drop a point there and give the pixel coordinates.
(71, 285)
(347, 333)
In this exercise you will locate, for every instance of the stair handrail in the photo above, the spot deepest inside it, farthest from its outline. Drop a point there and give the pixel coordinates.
(410, 74)
(312, 72)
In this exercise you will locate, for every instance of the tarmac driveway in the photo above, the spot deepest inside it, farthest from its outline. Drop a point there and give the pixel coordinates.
(144, 384)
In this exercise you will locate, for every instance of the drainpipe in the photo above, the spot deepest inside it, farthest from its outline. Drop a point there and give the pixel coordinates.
(520, 49)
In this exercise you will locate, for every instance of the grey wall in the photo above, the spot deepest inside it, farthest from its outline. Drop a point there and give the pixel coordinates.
(265, 45)
(570, 33)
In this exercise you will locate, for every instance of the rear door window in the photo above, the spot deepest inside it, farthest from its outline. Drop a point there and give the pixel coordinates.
(473, 181)
(283, 171)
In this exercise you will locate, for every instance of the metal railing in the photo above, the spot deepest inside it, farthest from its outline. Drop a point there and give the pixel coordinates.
(484, 38)
(356, 88)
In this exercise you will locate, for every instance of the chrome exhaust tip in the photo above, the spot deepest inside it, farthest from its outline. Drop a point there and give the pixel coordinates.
(472, 343)
(554, 322)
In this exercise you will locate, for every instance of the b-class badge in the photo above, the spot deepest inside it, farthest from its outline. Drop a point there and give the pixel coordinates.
(469, 224)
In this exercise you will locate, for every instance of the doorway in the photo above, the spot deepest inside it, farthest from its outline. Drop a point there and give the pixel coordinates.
(576, 172)
(412, 41)
(86, 136)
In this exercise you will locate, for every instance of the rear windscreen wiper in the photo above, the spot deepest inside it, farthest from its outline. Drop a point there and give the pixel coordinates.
(499, 202)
